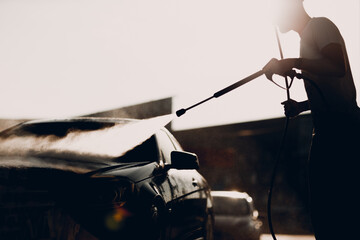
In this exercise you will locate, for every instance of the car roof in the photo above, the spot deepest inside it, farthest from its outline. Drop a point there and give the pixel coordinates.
(231, 194)
(82, 119)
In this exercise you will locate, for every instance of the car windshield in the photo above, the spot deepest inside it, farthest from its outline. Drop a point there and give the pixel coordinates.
(231, 206)
(123, 141)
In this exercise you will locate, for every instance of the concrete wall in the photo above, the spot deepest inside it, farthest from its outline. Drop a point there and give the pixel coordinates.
(6, 123)
(139, 111)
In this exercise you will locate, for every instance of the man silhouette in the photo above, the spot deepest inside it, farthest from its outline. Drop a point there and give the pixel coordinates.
(334, 156)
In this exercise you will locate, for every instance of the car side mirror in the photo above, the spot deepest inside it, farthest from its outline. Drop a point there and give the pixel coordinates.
(184, 160)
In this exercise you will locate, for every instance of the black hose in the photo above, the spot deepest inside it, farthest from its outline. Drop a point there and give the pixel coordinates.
(282, 144)
(274, 172)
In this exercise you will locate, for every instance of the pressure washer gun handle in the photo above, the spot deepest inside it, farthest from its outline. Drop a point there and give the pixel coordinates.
(292, 74)
(238, 84)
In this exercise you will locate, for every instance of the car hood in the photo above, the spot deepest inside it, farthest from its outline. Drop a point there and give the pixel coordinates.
(135, 171)
(230, 222)
(50, 163)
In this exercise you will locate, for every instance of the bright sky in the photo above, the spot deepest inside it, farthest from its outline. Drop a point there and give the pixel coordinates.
(63, 58)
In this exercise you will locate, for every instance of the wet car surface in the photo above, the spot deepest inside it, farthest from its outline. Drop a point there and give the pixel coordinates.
(73, 179)
(235, 216)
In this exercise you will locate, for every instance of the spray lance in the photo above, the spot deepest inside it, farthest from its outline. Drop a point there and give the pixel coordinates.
(222, 92)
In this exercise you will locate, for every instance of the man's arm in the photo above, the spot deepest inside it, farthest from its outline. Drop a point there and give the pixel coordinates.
(332, 63)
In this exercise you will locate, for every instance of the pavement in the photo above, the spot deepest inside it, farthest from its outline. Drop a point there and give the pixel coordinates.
(287, 237)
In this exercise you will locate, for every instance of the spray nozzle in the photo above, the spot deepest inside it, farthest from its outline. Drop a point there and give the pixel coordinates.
(180, 112)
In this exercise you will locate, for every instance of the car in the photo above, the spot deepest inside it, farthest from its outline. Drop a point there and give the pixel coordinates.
(100, 178)
(235, 216)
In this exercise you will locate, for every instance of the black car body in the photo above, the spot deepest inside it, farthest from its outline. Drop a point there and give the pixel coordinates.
(66, 179)
(235, 216)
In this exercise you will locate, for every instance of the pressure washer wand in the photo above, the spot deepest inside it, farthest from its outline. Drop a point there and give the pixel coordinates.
(223, 91)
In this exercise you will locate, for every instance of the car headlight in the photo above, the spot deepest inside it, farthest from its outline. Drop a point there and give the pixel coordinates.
(255, 214)
(120, 197)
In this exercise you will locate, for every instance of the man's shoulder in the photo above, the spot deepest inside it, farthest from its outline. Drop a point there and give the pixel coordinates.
(321, 22)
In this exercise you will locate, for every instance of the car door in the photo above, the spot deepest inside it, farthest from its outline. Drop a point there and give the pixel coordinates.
(189, 205)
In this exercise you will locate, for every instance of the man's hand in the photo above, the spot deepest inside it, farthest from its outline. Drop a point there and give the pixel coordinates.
(281, 67)
(293, 108)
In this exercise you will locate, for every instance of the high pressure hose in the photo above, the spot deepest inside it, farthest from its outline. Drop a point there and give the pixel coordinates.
(282, 144)
(272, 181)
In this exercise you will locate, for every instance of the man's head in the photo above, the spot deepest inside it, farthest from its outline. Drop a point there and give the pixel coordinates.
(288, 14)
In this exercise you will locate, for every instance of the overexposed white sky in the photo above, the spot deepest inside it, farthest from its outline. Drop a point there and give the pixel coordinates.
(62, 58)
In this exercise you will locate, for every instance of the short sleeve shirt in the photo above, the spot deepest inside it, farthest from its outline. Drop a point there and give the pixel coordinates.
(339, 92)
